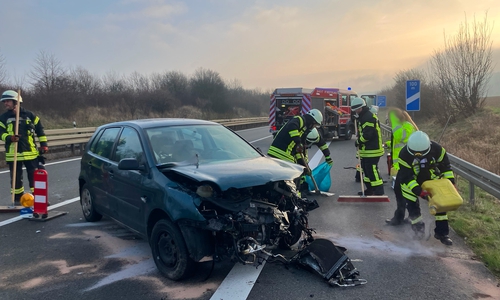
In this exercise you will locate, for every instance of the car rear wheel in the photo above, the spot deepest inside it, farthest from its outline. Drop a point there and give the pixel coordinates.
(170, 252)
(88, 208)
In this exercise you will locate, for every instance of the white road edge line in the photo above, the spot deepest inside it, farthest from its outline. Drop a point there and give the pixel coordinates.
(15, 219)
(49, 164)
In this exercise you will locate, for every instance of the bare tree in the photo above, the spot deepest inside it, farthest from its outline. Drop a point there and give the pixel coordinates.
(210, 90)
(138, 82)
(463, 69)
(86, 83)
(46, 71)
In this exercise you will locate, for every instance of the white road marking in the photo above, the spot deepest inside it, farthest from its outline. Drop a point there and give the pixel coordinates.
(238, 283)
(15, 219)
(261, 139)
(49, 164)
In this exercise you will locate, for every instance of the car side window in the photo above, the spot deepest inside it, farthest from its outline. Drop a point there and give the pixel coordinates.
(95, 141)
(104, 145)
(129, 145)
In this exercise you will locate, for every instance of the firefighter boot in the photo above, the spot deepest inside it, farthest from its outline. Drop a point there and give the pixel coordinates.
(393, 222)
(367, 192)
(378, 190)
(17, 199)
(445, 239)
(419, 229)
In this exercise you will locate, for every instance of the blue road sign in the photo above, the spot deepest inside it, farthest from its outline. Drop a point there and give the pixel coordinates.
(413, 95)
(381, 101)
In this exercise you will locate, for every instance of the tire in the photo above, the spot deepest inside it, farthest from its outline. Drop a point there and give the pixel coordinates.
(87, 203)
(170, 252)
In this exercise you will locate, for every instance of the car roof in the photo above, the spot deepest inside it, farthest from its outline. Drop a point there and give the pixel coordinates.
(159, 122)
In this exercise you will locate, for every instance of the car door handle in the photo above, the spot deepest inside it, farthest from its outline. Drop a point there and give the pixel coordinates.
(111, 173)
(144, 199)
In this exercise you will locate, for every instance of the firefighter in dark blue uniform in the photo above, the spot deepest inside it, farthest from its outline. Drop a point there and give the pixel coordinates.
(421, 160)
(288, 142)
(369, 144)
(27, 152)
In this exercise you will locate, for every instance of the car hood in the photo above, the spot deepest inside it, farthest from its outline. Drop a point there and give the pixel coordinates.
(242, 173)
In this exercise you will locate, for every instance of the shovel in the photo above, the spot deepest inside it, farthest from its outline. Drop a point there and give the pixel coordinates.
(316, 189)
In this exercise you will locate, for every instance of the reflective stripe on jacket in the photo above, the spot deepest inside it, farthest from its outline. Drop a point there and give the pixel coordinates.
(414, 171)
(29, 125)
(370, 135)
(286, 140)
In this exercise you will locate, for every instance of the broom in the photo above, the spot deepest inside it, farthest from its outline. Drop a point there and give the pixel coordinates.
(363, 197)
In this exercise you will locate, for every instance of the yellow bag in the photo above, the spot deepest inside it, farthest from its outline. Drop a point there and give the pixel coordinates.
(394, 171)
(444, 197)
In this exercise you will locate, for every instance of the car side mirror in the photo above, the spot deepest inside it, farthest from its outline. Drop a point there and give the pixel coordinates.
(130, 164)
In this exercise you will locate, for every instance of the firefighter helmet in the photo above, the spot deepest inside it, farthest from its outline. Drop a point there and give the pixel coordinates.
(312, 137)
(27, 200)
(374, 109)
(357, 103)
(11, 95)
(316, 114)
(419, 143)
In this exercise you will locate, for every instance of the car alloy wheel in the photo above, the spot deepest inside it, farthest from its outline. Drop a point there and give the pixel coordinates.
(87, 202)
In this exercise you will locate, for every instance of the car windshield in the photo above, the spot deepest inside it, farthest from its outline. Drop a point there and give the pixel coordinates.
(198, 143)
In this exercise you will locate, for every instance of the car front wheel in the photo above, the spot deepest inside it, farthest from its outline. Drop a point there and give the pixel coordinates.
(170, 252)
(88, 208)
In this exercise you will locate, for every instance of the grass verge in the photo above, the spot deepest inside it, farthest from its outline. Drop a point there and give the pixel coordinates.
(479, 225)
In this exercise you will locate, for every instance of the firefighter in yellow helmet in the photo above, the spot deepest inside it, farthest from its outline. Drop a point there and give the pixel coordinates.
(27, 152)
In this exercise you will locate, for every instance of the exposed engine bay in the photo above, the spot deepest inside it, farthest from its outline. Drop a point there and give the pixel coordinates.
(247, 224)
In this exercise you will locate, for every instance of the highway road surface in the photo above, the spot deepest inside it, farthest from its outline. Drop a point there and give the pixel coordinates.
(68, 258)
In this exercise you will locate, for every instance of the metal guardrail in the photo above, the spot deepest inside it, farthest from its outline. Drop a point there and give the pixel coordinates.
(476, 176)
(79, 136)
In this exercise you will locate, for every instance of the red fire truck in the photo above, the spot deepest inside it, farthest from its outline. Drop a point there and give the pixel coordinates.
(287, 103)
(334, 103)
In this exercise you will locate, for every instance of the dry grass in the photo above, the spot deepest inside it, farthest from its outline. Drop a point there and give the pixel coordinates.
(476, 139)
(493, 101)
(95, 116)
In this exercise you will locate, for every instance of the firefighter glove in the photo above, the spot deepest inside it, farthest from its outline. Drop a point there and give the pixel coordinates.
(43, 149)
(329, 160)
(424, 194)
(14, 138)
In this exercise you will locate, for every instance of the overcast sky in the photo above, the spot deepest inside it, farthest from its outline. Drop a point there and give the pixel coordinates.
(263, 44)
